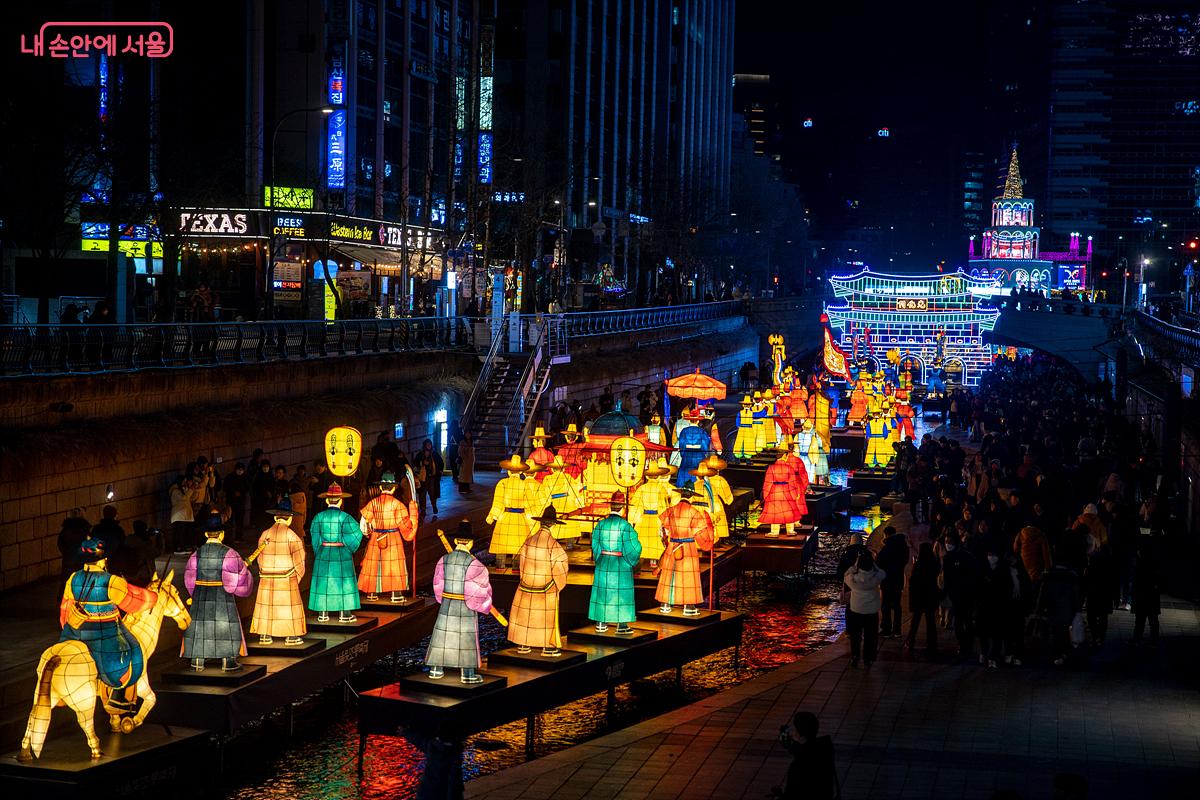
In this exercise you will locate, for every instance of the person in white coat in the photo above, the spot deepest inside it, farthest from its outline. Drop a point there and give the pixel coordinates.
(862, 609)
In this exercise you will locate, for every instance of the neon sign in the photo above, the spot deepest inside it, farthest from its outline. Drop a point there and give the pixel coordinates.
(336, 178)
(883, 133)
(808, 122)
(337, 82)
(287, 197)
(485, 157)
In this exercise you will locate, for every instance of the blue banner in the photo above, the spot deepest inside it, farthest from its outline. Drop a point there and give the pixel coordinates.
(485, 157)
(337, 150)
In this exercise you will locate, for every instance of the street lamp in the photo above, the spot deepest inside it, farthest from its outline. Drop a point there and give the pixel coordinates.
(326, 110)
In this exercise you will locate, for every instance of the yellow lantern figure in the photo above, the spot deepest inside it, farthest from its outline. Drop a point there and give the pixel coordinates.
(778, 356)
(627, 459)
(343, 449)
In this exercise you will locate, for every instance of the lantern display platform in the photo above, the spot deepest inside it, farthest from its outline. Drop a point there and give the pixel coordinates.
(935, 407)
(225, 709)
(760, 537)
(609, 637)
(747, 474)
(530, 691)
(213, 675)
(862, 500)
(576, 595)
(535, 659)
(360, 624)
(738, 512)
(384, 603)
(676, 617)
(851, 439)
(308, 646)
(451, 686)
(824, 500)
(781, 554)
(876, 480)
(154, 759)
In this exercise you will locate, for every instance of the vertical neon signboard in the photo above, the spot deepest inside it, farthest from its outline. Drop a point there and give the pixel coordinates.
(337, 150)
(485, 157)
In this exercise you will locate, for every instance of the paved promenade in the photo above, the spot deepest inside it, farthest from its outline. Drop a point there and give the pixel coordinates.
(1127, 719)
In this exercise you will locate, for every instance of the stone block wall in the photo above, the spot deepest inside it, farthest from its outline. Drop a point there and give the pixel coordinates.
(46, 473)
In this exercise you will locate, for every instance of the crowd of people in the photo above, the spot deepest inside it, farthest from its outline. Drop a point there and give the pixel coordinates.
(1038, 536)
(243, 495)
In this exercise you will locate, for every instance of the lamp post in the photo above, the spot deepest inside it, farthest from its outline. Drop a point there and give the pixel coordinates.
(326, 110)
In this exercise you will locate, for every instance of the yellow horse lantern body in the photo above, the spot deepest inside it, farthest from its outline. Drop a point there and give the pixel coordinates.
(343, 449)
(67, 676)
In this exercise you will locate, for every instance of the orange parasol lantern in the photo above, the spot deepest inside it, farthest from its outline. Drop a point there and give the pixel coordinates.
(696, 387)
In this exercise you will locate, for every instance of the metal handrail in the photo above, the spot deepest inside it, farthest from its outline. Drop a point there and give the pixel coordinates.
(1183, 341)
(84, 348)
(516, 406)
(485, 376)
(599, 323)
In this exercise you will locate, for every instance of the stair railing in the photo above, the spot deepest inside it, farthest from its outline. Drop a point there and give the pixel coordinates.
(485, 376)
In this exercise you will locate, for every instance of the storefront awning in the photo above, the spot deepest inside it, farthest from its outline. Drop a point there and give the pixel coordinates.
(389, 262)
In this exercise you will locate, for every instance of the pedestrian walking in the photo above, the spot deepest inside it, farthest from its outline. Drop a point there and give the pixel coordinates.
(924, 595)
(959, 575)
(991, 615)
(892, 559)
(466, 463)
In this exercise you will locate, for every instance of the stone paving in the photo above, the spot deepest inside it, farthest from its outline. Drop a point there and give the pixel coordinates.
(1128, 719)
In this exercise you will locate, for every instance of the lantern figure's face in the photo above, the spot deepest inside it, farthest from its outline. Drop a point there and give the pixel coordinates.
(627, 458)
(343, 449)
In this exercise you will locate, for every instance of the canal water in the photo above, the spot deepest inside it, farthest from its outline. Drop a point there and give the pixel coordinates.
(787, 616)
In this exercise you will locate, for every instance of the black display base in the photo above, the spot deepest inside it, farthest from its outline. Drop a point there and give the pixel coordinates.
(676, 616)
(610, 637)
(535, 659)
(451, 685)
(278, 648)
(148, 762)
(384, 604)
(361, 623)
(760, 537)
(213, 675)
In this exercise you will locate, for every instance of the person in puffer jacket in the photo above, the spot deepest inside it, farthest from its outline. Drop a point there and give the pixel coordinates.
(862, 611)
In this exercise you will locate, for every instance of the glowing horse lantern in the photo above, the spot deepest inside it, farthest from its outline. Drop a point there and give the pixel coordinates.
(627, 458)
(68, 676)
(778, 357)
(343, 449)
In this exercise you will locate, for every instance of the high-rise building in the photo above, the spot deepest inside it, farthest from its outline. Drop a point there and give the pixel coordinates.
(1124, 144)
(612, 123)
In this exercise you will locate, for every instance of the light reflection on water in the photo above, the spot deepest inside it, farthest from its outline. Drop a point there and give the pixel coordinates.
(786, 617)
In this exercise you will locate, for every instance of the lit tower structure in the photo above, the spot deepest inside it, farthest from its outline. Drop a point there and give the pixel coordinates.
(933, 320)
(1011, 252)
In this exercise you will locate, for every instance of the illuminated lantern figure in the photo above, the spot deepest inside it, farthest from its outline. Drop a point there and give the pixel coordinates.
(690, 530)
(784, 485)
(714, 492)
(572, 451)
(693, 446)
(278, 609)
(461, 585)
(343, 449)
(890, 416)
(655, 432)
(562, 492)
(514, 503)
(534, 618)
(818, 458)
(858, 401)
(646, 506)
(804, 441)
(904, 419)
(783, 412)
(778, 356)
(687, 418)
(216, 576)
(615, 552)
(824, 414)
(541, 455)
(878, 452)
(387, 525)
(770, 428)
(714, 432)
(759, 414)
(335, 537)
(743, 443)
(101, 655)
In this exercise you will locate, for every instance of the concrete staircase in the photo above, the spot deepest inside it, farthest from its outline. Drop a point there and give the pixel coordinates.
(491, 425)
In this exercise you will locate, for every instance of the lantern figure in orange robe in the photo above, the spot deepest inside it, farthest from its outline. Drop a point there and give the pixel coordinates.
(784, 485)
(534, 618)
(278, 607)
(387, 524)
(343, 449)
(690, 530)
(541, 455)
